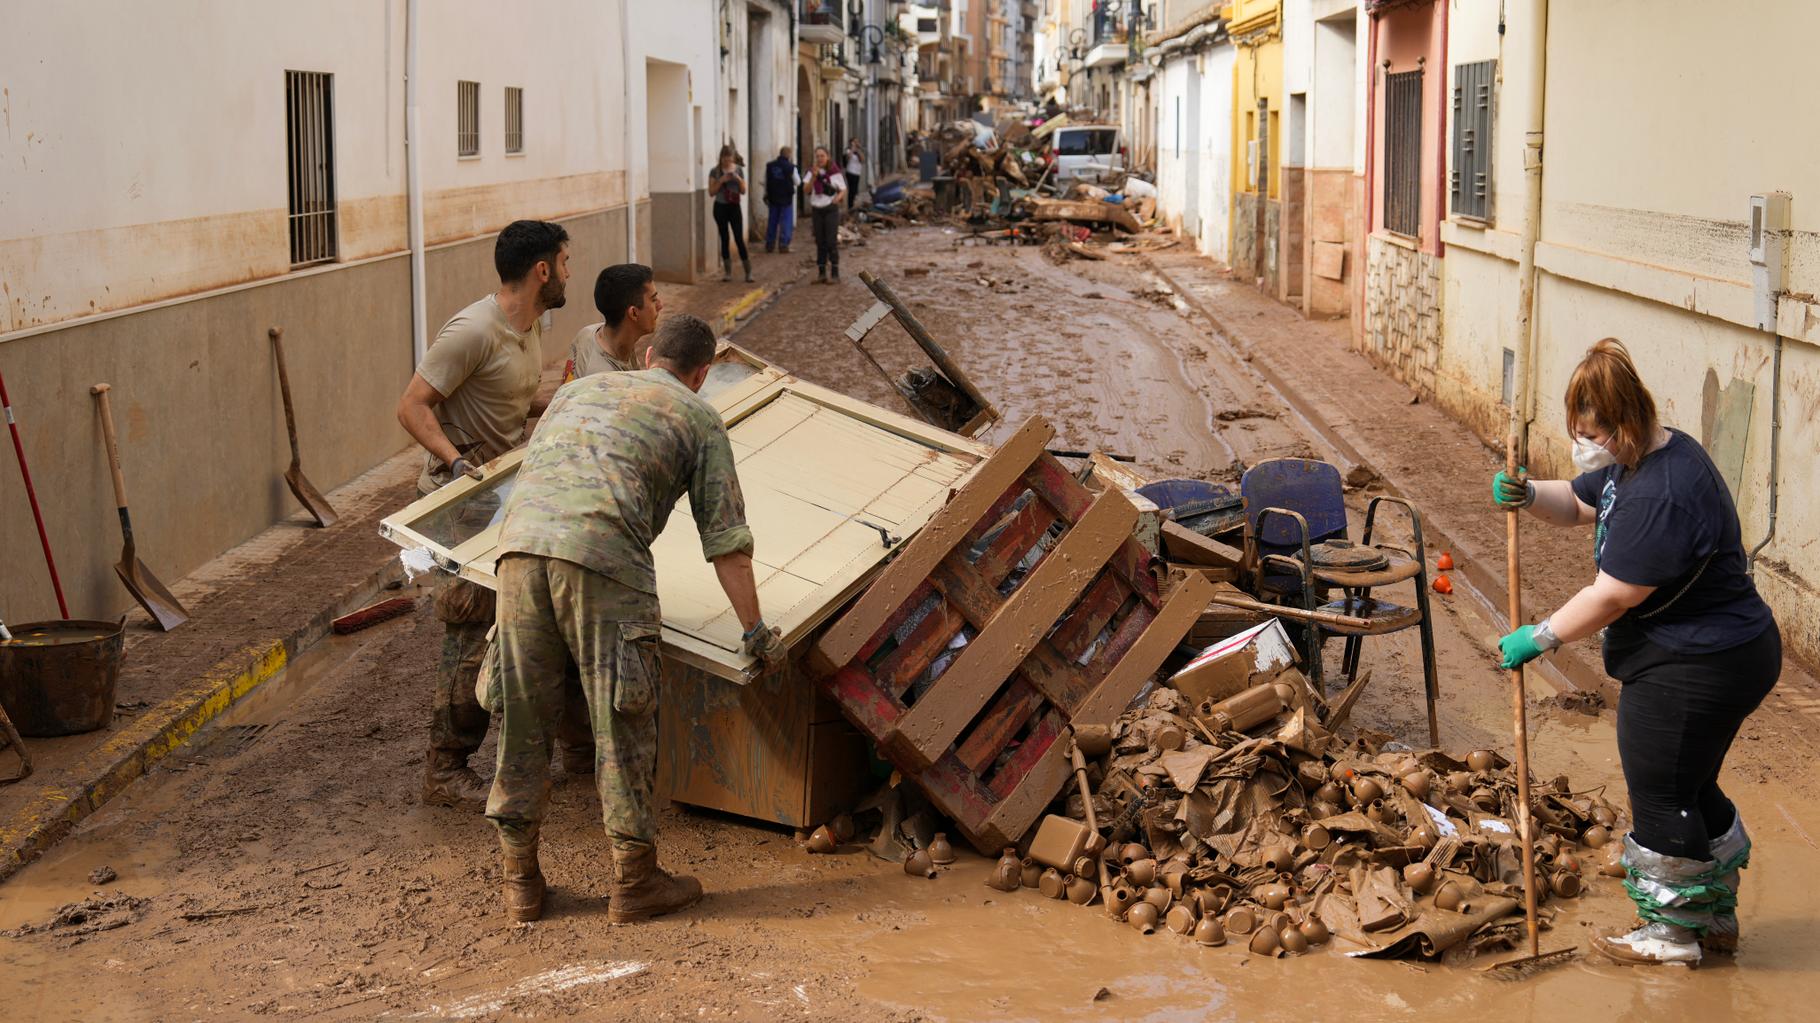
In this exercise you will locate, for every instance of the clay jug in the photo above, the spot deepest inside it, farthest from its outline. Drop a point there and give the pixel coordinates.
(940, 851)
(1364, 790)
(1132, 852)
(1480, 760)
(1314, 930)
(1080, 890)
(1209, 932)
(1595, 837)
(1142, 917)
(1141, 872)
(1052, 884)
(1450, 896)
(1292, 941)
(822, 840)
(1266, 942)
(1008, 873)
(1158, 897)
(1241, 921)
(1032, 872)
(1316, 837)
(1565, 885)
(1180, 919)
(1274, 896)
(1420, 876)
(1612, 864)
(1417, 783)
(843, 827)
(919, 863)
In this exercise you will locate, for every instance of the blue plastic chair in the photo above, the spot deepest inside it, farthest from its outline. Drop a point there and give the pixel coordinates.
(1292, 504)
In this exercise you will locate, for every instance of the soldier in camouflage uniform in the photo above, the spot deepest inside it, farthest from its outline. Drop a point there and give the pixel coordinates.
(609, 461)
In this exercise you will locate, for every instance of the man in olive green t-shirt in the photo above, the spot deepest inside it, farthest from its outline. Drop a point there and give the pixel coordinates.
(466, 405)
(626, 296)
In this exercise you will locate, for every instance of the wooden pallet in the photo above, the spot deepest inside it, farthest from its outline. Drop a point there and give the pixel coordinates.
(1064, 621)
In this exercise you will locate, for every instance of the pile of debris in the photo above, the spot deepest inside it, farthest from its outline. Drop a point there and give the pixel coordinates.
(1244, 819)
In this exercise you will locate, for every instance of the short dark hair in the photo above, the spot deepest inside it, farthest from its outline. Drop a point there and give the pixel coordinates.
(619, 288)
(524, 244)
(685, 342)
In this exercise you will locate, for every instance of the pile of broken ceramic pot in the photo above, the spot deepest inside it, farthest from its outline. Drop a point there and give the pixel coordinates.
(1287, 838)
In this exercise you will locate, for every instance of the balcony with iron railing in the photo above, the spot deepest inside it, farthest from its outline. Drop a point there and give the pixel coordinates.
(821, 21)
(1106, 35)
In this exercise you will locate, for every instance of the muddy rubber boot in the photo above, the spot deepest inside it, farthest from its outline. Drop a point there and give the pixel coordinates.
(1731, 851)
(643, 890)
(726, 268)
(748, 265)
(449, 781)
(523, 882)
(578, 760)
(1652, 944)
(1675, 899)
(821, 275)
(834, 274)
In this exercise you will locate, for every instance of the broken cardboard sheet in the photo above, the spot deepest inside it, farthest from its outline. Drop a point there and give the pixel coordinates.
(1235, 663)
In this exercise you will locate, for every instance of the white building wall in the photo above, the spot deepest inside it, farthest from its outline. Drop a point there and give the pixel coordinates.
(1201, 139)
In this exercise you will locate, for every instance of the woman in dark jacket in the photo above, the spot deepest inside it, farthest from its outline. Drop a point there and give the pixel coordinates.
(1694, 646)
(728, 184)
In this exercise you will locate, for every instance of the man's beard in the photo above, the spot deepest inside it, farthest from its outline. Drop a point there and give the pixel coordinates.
(553, 294)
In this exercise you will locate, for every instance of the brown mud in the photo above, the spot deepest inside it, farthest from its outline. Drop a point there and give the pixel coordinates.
(289, 873)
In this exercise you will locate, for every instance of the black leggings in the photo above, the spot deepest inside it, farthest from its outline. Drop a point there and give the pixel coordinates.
(826, 222)
(728, 221)
(1677, 716)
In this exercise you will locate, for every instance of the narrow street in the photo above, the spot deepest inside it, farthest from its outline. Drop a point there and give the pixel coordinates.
(281, 867)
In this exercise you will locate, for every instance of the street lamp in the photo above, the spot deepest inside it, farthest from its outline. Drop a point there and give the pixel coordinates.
(1077, 41)
(872, 36)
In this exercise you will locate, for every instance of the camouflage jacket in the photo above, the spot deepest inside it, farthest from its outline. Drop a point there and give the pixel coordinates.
(610, 459)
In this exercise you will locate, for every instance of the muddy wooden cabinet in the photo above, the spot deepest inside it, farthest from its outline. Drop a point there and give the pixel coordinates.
(833, 488)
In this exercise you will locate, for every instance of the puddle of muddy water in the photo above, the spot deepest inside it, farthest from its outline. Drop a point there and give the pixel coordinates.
(114, 838)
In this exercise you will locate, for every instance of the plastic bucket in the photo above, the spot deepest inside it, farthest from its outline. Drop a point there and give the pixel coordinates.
(57, 678)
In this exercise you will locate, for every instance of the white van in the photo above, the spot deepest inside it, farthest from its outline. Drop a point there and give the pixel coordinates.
(1088, 152)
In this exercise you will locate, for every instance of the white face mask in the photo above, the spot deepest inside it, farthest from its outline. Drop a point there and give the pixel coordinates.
(1590, 457)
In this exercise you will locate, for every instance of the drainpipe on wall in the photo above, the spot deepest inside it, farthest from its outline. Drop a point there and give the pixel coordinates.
(1371, 139)
(625, 63)
(1775, 454)
(413, 173)
(1522, 406)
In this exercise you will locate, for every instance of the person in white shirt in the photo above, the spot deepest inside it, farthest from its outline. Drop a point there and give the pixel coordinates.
(825, 185)
(856, 167)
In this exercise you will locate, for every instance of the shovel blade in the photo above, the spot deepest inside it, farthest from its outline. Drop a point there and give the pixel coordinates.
(151, 594)
(312, 500)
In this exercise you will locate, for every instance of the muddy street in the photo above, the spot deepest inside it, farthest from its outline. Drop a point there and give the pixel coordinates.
(281, 867)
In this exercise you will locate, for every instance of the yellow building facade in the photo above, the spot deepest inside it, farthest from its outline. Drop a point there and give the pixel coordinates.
(1256, 30)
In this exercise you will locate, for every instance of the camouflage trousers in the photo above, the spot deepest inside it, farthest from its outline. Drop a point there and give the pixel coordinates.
(458, 722)
(552, 612)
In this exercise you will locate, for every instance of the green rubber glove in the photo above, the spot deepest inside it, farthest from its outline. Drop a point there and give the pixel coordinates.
(1512, 492)
(1520, 647)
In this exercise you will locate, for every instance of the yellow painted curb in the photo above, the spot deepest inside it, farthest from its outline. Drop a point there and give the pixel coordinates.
(744, 305)
(108, 769)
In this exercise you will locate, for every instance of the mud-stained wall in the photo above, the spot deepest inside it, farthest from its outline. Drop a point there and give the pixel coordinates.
(1329, 220)
(1403, 311)
(1246, 260)
(195, 394)
(1283, 235)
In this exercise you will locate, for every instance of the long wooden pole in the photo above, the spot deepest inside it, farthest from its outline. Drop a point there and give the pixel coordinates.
(1519, 712)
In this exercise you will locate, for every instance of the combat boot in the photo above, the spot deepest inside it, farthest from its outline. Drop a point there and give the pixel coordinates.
(644, 890)
(523, 882)
(449, 781)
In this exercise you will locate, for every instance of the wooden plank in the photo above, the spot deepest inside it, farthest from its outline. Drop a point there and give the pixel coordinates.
(919, 649)
(931, 726)
(924, 340)
(1060, 681)
(1009, 547)
(983, 486)
(1145, 656)
(862, 701)
(1001, 723)
(1090, 615)
(1189, 547)
(1019, 765)
(895, 622)
(867, 320)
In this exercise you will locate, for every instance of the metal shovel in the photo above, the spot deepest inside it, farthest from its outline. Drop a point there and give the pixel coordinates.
(140, 582)
(305, 491)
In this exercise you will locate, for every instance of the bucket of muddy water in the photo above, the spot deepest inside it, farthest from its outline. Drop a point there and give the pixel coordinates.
(57, 678)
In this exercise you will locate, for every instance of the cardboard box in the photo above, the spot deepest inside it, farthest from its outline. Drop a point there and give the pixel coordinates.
(1235, 664)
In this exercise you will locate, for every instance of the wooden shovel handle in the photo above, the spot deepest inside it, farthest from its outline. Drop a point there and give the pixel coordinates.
(284, 389)
(113, 448)
(1519, 712)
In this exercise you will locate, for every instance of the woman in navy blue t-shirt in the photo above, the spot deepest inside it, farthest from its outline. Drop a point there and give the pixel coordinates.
(1694, 646)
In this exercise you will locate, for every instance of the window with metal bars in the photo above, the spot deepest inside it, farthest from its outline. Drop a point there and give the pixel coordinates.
(515, 120)
(467, 119)
(310, 165)
(1469, 184)
(1403, 153)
